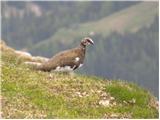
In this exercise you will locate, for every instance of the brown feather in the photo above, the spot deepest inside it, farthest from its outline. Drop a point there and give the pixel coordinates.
(65, 58)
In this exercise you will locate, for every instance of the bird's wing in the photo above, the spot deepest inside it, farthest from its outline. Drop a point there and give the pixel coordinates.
(65, 58)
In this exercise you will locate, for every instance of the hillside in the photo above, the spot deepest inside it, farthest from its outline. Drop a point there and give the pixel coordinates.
(127, 20)
(35, 21)
(33, 94)
(126, 45)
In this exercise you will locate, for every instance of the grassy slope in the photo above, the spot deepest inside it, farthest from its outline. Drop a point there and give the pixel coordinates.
(128, 20)
(33, 94)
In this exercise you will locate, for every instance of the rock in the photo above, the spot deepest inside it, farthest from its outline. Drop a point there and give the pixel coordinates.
(154, 103)
(84, 93)
(112, 98)
(125, 102)
(114, 115)
(114, 103)
(78, 94)
(104, 94)
(105, 103)
(99, 91)
(132, 101)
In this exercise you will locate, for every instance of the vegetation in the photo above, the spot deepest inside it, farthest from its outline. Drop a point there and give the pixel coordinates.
(128, 50)
(53, 16)
(132, 56)
(27, 93)
(125, 36)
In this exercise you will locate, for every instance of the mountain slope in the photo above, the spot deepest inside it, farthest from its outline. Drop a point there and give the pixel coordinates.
(128, 20)
(33, 94)
(35, 21)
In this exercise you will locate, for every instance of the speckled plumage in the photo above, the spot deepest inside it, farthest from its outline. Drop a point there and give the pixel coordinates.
(71, 59)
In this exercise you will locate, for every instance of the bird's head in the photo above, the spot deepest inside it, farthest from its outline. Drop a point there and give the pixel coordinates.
(87, 41)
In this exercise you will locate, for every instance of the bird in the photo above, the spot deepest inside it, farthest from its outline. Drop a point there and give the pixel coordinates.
(68, 60)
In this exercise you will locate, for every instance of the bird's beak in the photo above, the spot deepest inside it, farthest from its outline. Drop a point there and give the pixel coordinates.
(91, 42)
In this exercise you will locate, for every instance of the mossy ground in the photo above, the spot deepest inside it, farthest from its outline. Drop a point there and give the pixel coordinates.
(27, 93)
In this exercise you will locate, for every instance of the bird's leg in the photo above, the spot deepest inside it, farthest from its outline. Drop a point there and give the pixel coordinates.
(71, 73)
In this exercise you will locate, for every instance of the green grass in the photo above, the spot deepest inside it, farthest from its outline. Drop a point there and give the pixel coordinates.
(128, 93)
(124, 94)
(27, 93)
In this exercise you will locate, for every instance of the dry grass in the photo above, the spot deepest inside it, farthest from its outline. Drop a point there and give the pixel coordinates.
(34, 94)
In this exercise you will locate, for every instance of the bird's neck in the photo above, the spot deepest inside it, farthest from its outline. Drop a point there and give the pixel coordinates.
(83, 47)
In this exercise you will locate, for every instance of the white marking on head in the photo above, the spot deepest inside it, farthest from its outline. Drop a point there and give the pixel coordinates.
(89, 40)
(77, 59)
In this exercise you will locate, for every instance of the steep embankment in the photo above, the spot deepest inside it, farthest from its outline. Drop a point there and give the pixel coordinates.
(33, 94)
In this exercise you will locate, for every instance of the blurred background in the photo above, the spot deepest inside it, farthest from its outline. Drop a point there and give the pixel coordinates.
(126, 35)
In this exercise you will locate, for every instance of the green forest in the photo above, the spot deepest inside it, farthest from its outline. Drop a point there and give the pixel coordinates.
(126, 35)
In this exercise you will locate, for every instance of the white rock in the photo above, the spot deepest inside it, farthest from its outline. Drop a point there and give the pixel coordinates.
(105, 103)
(114, 115)
(134, 100)
(78, 93)
(112, 98)
(104, 94)
(99, 91)
(114, 103)
(84, 93)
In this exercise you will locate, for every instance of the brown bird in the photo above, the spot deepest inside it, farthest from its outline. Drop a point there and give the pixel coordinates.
(68, 60)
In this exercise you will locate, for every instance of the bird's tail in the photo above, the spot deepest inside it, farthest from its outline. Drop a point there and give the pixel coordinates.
(34, 65)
